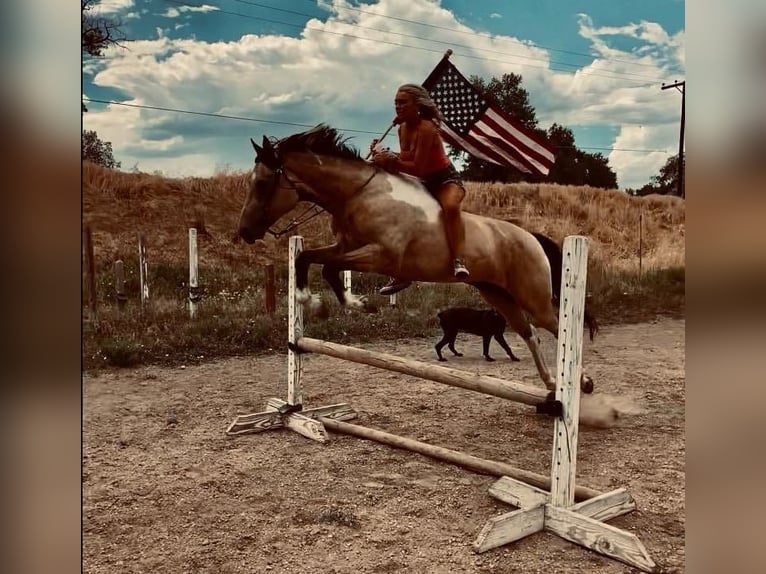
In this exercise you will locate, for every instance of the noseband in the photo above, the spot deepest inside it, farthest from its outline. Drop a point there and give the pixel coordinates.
(309, 213)
(304, 217)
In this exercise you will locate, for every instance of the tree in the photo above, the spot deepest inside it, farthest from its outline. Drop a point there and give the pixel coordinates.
(664, 183)
(576, 167)
(572, 166)
(98, 151)
(98, 32)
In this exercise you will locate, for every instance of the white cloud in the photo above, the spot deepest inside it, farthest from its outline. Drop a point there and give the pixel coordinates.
(113, 6)
(175, 12)
(326, 75)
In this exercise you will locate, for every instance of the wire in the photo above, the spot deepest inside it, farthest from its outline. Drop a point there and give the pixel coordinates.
(487, 35)
(300, 125)
(552, 62)
(305, 27)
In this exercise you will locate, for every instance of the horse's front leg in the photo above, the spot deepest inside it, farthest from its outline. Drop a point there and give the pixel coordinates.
(369, 258)
(302, 263)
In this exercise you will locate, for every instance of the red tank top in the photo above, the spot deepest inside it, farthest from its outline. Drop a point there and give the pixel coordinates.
(437, 158)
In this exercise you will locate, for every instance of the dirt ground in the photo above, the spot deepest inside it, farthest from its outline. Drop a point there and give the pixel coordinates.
(165, 490)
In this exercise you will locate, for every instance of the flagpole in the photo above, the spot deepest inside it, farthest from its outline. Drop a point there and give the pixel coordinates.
(446, 56)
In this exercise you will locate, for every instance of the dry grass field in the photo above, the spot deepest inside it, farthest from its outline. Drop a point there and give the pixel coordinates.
(118, 205)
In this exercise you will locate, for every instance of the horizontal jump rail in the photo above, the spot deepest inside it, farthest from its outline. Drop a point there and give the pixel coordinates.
(468, 461)
(510, 390)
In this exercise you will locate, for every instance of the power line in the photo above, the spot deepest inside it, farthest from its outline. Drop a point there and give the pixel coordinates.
(552, 62)
(278, 122)
(486, 35)
(305, 27)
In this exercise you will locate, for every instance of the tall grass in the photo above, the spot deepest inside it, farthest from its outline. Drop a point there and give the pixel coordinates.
(231, 320)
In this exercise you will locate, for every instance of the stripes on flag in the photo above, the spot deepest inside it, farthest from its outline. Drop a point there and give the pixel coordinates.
(481, 128)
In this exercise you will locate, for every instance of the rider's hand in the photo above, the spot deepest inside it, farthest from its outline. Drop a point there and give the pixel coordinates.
(385, 159)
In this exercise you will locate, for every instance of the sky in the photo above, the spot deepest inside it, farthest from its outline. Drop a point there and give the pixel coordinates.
(277, 67)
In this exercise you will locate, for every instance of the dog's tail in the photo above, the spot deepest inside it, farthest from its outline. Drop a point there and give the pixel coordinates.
(556, 258)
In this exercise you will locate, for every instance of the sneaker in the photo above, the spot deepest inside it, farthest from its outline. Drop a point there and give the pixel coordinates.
(460, 271)
(394, 286)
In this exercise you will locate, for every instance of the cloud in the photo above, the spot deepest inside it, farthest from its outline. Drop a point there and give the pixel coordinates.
(326, 74)
(175, 12)
(113, 6)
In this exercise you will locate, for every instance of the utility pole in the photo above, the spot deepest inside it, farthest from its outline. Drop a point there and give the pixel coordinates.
(681, 87)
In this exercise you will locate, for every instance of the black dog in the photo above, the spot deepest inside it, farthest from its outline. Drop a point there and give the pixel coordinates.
(486, 323)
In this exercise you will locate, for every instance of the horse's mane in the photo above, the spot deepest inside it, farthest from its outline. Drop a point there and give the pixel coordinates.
(322, 140)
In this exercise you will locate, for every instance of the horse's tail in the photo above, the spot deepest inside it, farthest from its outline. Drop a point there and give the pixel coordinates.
(556, 258)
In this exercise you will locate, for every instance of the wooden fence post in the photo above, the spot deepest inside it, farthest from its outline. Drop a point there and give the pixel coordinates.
(271, 296)
(193, 273)
(119, 284)
(90, 274)
(143, 269)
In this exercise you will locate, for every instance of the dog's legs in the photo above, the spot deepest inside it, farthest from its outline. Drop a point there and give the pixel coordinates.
(438, 346)
(502, 342)
(452, 337)
(485, 340)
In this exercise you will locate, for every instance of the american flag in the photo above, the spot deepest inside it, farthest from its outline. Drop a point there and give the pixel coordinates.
(481, 128)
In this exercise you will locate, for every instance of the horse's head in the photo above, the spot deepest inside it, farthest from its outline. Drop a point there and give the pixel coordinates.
(270, 195)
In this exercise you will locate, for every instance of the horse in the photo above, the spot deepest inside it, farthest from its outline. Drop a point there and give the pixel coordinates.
(388, 223)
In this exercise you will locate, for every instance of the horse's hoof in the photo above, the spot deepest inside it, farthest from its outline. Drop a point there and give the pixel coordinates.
(550, 407)
(586, 386)
(515, 359)
(490, 359)
(442, 359)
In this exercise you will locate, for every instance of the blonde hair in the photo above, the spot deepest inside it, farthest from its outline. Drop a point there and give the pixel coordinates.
(426, 106)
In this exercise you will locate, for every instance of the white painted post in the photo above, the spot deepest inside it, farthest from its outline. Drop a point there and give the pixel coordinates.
(569, 370)
(193, 272)
(294, 327)
(347, 280)
(143, 268)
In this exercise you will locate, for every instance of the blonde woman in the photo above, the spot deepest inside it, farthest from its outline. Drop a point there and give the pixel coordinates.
(422, 155)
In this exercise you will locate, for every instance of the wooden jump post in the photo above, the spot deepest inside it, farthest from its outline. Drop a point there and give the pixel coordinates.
(544, 503)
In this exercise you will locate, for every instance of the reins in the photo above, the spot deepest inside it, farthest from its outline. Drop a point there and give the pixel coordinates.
(303, 218)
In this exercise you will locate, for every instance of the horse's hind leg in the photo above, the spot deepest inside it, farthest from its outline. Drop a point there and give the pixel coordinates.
(517, 320)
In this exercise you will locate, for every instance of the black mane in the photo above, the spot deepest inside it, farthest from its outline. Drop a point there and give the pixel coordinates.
(321, 139)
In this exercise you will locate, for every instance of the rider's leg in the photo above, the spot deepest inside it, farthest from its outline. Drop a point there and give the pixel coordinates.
(450, 196)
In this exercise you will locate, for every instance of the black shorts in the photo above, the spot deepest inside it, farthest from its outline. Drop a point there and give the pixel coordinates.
(436, 180)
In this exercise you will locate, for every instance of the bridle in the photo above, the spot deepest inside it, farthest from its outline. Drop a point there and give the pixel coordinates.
(309, 213)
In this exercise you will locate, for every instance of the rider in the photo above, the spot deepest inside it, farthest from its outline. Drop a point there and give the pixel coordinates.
(422, 155)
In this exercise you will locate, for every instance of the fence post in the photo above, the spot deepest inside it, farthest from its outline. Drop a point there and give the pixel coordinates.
(271, 296)
(640, 244)
(119, 284)
(193, 273)
(143, 270)
(90, 274)
(294, 328)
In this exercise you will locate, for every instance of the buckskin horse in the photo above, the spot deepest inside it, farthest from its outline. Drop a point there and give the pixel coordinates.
(388, 223)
